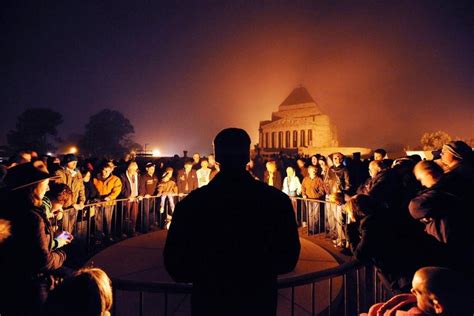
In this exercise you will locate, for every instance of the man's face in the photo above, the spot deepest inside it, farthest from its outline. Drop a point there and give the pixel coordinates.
(373, 170)
(212, 160)
(150, 170)
(196, 158)
(337, 159)
(378, 156)
(423, 300)
(425, 179)
(204, 164)
(71, 165)
(106, 172)
(188, 167)
(132, 168)
(447, 157)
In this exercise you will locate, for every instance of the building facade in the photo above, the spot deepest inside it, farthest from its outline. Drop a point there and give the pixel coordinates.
(298, 124)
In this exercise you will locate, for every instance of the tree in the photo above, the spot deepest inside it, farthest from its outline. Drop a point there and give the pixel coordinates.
(35, 128)
(435, 140)
(107, 134)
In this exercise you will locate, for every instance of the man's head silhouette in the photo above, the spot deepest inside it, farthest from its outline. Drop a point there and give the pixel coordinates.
(232, 149)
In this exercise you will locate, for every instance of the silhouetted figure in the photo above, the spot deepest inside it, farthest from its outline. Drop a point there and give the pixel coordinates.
(250, 237)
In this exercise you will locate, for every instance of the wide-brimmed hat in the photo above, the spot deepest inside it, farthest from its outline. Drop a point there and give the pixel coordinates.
(24, 175)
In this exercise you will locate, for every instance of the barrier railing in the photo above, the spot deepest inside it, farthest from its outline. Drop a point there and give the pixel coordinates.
(107, 221)
(351, 288)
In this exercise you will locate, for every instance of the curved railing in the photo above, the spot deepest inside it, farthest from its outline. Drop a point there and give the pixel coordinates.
(351, 287)
(359, 287)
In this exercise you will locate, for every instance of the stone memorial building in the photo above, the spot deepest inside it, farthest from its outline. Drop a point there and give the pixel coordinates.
(297, 126)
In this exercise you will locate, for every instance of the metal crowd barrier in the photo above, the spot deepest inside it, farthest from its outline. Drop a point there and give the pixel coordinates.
(351, 289)
(83, 223)
(312, 213)
(359, 285)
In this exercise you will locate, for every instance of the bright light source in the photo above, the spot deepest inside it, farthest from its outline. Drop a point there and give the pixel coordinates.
(72, 150)
(49, 154)
(155, 153)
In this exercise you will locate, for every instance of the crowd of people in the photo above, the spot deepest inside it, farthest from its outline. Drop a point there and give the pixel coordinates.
(400, 215)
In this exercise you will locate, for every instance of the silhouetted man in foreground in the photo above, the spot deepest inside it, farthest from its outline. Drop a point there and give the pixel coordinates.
(250, 236)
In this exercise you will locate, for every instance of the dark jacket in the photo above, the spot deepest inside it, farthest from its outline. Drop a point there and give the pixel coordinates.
(385, 188)
(26, 260)
(338, 180)
(187, 183)
(239, 271)
(91, 191)
(148, 185)
(443, 215)
(126, 191)
(378, 240)
(458, 181)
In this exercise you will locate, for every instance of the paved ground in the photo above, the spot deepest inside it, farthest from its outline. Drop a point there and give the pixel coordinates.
(140, 259)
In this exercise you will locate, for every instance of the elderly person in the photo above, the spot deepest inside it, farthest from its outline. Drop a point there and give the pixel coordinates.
(458, 179)
(26, 259)
(435, 291)
(444, 215)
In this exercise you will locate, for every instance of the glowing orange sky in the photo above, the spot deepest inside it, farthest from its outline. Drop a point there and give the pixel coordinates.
(385, 72)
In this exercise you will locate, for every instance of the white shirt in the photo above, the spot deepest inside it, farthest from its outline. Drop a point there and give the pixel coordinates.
(292, 187)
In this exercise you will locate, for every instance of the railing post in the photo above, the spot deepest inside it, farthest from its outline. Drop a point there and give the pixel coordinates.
(88, 227)
(313, 299)
(166, 303)
(141, 303)
(292, 301)
(330, 296)
(357, 290)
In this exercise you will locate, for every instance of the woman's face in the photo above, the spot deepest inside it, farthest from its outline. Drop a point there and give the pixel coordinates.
(314, 160)
(41, 188)
(322, 164)
(290, 172)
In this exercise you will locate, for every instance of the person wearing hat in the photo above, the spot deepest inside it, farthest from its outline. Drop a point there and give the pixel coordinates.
(72, 177)
(458, 178)
(148, 187)
(26, 259)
